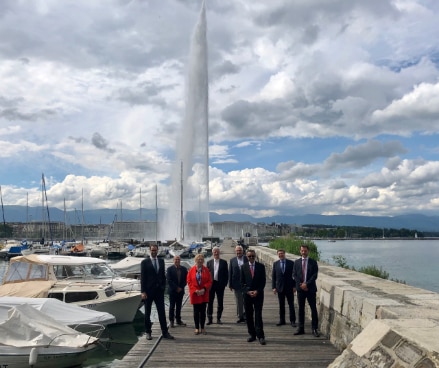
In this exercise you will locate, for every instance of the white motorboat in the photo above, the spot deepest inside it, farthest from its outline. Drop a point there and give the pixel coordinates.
(30, 338)
(67, 314)
(130, 266)
(86, 269)
(30, 276)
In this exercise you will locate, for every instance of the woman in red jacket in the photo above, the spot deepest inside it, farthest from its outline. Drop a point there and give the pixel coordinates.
(199, 282)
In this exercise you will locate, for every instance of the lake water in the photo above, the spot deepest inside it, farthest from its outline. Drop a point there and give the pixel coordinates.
(413, 261)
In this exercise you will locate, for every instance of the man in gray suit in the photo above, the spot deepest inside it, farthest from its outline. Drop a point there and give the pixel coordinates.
(282, 283)
(235, 281)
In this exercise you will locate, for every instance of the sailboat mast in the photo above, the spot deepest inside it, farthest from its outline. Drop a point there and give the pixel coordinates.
(82, 215)
(181, 203)
(65, 221)
(47, 206)
(156, 217)
(140, 203)
(3, 209)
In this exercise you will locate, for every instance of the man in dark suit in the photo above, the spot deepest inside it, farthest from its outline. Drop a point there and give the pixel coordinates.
(220, 275)
(253, 280)
(176, 276)
(235, 281)
(282, 283)
(305, 272)
(152, 286)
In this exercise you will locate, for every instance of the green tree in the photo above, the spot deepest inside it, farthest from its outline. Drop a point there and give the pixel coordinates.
(292, 245)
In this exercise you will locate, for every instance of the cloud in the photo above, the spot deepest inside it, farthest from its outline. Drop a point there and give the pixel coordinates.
(313, 106)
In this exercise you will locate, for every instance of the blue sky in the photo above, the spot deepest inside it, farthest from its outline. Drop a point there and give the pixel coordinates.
(315, 106)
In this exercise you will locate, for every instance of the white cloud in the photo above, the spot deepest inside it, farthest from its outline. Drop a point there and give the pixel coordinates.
(313, 106)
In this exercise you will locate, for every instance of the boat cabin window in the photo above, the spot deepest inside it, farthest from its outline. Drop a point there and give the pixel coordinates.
(66, 271)
(109, 291)
(75, 296)
(99, 270)
(23, 271)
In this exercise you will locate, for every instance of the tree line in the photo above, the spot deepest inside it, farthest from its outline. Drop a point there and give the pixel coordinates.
(358, 232)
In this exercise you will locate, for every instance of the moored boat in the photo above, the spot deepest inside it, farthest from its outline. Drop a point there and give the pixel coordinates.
(29, 276)
(30, 338)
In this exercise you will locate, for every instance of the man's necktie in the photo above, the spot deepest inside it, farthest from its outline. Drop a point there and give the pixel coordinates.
(303, 269)
(283, 266)
(252, 269)
(155, 265)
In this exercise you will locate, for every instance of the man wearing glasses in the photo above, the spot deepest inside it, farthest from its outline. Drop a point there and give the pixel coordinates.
(252, 285)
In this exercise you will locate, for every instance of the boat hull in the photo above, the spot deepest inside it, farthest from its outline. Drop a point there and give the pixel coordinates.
(46, 357)
(123, 306)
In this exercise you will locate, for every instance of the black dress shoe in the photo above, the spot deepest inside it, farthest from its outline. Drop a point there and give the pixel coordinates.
(299, 332)
(218, 321)
(181, 323)
(168, 336)
(262, 341)
(251, 339)
(240, 320)
(148, 336)
(316, 333)
(280, 323)
(172, 324)
(209, 322)
(293, 324)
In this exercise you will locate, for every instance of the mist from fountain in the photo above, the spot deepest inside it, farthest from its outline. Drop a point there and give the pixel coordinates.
(190, 172)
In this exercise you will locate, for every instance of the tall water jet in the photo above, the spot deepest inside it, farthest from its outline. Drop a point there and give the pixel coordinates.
(188, 214)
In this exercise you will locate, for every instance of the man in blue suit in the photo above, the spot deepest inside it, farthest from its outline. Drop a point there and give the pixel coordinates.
(282, 283)
(305, 272)
(152, 286)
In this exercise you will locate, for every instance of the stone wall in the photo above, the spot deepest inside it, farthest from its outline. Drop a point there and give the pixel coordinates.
(373, 322)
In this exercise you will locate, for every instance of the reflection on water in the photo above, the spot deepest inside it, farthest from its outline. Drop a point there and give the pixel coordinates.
(116, 343)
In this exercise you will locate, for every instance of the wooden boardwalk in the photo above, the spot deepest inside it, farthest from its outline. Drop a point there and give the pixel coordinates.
(226, 345)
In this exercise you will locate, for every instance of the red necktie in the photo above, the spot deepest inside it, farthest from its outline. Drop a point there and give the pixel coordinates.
(252, 269)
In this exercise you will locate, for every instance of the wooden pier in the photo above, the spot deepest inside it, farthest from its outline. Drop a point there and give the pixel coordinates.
(226, 345)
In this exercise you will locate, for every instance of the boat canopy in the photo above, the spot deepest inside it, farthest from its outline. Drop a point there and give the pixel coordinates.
(27, 326)
(68, 314)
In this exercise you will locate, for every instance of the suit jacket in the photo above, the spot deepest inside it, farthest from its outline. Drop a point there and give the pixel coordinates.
(223, 271)
(171, 276)
(257, 282)
(150, 280)
(235, 273)
(282, 281)
(311, 274)
(206, 283)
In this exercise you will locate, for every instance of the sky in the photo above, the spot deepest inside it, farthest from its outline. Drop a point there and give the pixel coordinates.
(315, 106)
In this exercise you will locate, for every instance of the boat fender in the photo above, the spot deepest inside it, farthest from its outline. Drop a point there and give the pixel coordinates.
(33, 357)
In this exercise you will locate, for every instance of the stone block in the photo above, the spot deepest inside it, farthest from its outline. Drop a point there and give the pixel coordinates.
(408, 353)
(380, 358)
(391, 339)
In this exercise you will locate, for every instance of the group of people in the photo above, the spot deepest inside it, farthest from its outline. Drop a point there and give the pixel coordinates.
(243, 275)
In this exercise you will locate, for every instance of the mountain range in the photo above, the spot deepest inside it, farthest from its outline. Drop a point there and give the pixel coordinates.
(106, 216)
